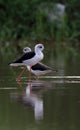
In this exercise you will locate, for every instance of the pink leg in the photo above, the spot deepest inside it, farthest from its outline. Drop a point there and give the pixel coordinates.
(37, 77)
(19, 76)
(21, 87)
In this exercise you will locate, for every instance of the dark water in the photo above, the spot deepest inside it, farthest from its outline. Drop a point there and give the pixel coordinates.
(52, 103)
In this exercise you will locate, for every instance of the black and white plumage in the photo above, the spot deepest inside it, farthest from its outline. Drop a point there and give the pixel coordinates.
(26, 50)
(30, 58)
(39, 68)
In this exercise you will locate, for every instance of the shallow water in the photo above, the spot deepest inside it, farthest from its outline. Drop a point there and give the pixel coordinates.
(52, 102)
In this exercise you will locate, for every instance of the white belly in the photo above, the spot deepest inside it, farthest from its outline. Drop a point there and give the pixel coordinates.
(38, 72)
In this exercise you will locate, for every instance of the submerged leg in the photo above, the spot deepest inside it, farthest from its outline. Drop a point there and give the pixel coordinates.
(19, 76)
(37, 77)
(30, 79)
(20, 86)
(30, 75)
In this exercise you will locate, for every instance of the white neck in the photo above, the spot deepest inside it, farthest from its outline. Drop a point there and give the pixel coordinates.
(38, 51)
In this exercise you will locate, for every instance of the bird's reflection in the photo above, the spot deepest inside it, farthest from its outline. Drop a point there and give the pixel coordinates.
(32, 96)
(35, 101)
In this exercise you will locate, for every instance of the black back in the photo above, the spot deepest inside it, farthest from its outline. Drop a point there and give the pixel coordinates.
(40, 67)
(26, 56)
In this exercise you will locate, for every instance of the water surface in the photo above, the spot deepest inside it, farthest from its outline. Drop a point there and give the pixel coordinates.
(52, 102)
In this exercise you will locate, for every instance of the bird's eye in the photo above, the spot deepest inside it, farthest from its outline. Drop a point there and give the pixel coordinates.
(40, 46)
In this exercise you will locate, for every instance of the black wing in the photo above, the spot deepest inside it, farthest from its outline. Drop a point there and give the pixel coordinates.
(26, 56)
(40, 67)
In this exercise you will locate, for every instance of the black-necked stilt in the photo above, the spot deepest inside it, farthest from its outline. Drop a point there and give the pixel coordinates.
(27, 49)
(39, 68)
(29, 58)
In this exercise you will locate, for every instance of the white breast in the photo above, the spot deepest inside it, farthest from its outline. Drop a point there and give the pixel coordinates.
(34, 60)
